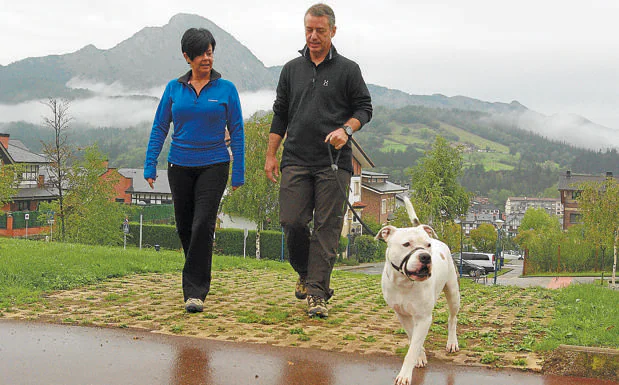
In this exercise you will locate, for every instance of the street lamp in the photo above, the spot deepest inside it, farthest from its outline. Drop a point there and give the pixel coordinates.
(459, 221)
(498, 223)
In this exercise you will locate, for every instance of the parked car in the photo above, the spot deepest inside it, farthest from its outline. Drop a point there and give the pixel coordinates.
(485, 260)
(512, 254)
(469, 268)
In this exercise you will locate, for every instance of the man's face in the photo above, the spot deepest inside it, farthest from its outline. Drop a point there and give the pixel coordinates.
(318, 35)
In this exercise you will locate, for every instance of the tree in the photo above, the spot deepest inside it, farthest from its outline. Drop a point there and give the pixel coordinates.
(9, 180)
(538, 219)
(484, 237)
(91, 215)
(258, 199)
(437, 195)
(58, 152)
(599, 203)
(540, 233)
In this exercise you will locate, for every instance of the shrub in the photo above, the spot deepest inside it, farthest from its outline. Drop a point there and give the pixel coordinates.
(368, 249)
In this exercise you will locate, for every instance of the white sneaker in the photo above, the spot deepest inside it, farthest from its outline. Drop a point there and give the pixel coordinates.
(194, 305)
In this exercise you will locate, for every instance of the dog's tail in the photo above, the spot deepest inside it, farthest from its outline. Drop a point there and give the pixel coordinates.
(412, 215)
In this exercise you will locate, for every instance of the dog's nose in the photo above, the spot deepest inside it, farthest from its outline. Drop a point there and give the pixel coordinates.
(425, 258)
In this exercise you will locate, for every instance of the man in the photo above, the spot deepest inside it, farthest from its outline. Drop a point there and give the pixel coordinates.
(321, 100)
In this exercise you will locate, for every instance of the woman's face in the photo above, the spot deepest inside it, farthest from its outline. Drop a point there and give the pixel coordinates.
(201, 65)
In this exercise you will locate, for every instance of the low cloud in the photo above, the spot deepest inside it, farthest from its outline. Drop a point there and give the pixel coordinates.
(115, 105)
(568, 128)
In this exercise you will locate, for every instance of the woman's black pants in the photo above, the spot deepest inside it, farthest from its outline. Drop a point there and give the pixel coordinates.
(196, 193)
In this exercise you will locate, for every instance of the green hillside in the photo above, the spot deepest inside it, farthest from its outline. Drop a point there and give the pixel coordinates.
(499, 160)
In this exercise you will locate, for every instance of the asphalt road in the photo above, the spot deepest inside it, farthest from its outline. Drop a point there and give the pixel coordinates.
(38, 353)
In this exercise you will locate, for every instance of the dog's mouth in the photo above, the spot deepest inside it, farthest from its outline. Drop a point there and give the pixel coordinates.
(419, 275)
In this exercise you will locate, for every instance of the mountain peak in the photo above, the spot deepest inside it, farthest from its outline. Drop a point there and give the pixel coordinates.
(184, 19)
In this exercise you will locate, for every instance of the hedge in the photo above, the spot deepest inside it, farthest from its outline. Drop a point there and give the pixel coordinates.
(227, 241)
(19, 219)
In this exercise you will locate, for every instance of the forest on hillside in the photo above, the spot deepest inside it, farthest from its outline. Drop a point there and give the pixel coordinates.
(532, 163)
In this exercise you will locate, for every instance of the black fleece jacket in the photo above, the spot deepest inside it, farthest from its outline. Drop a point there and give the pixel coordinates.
(314, 100)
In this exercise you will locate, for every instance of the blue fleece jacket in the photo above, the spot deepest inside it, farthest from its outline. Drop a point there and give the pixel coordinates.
(199, 127)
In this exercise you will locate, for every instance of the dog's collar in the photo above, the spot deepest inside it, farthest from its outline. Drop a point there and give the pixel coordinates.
(401, 267)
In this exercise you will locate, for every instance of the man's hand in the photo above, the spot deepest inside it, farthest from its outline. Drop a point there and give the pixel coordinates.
(271, 168)
(337, 138)
(151, 182)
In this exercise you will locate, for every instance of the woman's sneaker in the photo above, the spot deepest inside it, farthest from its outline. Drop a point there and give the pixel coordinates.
(317, 307)
(300, 290)
(194, 305)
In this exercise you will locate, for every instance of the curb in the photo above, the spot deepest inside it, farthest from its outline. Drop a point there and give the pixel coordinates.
(580, 361)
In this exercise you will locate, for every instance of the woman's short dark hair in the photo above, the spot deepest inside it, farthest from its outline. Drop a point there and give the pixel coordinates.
(195, 42)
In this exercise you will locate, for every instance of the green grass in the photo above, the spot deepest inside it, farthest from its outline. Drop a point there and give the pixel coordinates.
(29, 268)
(585, 315)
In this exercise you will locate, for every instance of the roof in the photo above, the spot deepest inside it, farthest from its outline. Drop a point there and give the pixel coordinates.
(21, 154)
(139, 184)
(360, 155)
(384, 188)
(35, 193)
(486, 218)
(374, 174)
(572, 182)
(534, 199)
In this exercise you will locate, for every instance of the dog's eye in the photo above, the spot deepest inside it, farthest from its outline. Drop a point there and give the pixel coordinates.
(407, 244)
(429, 245)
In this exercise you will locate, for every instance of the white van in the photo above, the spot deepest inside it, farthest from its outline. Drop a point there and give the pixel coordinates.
(485, 260)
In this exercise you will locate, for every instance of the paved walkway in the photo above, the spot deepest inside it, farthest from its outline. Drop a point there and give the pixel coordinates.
(35, 353)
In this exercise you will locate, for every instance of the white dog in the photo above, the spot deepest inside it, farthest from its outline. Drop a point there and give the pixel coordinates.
(417, 268)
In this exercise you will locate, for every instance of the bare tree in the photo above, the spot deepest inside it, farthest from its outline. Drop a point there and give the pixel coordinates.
(58, 151)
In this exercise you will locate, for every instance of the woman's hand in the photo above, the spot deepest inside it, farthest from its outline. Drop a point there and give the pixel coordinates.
(151, 182)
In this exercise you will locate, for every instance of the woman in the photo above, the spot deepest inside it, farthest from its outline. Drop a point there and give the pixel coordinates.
(201, 105)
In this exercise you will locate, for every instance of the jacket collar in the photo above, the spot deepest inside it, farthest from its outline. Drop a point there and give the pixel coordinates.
(185, 78)
(332, 53)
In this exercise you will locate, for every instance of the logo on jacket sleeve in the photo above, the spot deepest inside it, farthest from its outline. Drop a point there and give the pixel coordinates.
(325, 83)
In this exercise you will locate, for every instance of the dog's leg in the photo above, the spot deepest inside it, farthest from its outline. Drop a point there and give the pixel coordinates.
(416, 356)
(453, 303)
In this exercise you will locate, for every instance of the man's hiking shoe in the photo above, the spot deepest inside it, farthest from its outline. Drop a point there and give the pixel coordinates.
(194, 305)
(317, 307)
(300, 291)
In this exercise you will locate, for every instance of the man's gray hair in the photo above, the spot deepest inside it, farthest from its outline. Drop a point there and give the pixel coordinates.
(321, 9)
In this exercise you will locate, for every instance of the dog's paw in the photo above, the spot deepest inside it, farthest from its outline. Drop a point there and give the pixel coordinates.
(452, 347)
(403, 380)
(421, 361)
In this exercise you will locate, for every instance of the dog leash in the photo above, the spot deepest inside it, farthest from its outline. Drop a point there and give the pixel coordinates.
(334, 167)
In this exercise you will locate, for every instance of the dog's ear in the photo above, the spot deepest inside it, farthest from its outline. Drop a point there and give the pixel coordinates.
(430, 231)
(386, 232)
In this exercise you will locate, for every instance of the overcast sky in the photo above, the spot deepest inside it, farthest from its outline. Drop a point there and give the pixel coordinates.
(553, 56)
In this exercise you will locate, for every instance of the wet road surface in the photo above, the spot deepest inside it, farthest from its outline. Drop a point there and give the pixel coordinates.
(38, 353)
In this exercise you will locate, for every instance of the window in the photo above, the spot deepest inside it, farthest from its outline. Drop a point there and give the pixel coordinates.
(575, 194)
(151, 199)
(575, 218)
(23, 205)
(30, 173)
(383, 206)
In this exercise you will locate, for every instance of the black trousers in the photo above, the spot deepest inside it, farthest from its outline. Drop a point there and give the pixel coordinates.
(308, 193)
(196, 193)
